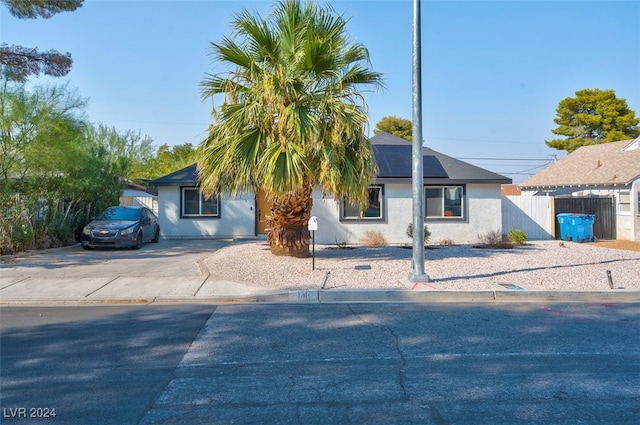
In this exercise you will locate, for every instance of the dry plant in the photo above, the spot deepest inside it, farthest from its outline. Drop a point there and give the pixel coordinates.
(494, 239)
(374, 238)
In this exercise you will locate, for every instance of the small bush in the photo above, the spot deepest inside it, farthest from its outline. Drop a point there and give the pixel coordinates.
(344, 242)
(341, 245)
(374, 238)
(446, 242)
(427, 233)
(517, 236)
(494, 239)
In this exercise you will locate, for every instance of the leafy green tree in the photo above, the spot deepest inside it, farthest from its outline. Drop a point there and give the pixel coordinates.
(125, 154)
(19, 62)
(592, 117)
(56, 170)
(292, 116)
(169, 159)
(37, 128)
(399, 127)
(47, 186)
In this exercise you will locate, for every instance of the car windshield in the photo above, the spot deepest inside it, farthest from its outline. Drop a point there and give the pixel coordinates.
(129, 214)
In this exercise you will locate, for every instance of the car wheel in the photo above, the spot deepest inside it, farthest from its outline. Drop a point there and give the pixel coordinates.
(138, 244)
(86, 247)
(156, 237)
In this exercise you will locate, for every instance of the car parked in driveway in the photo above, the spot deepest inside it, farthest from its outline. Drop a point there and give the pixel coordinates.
(119, 227)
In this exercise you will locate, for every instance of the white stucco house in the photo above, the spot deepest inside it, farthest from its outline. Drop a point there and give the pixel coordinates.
(462, 201)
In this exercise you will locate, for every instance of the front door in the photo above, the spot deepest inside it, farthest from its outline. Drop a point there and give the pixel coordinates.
(262, 206)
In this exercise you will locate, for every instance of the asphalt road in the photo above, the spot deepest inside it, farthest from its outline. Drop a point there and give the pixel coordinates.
(322, 363)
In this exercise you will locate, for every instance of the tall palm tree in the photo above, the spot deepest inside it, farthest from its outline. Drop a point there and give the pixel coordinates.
(291, 116)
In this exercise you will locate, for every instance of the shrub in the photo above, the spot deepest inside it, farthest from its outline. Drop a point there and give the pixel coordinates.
(427, 233)
(343, 243)
(494, 239)
(517, 236)
(446, 242)
(374, 238)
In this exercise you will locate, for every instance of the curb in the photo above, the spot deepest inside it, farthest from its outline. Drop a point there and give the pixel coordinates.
(322, 296)
(401, 296)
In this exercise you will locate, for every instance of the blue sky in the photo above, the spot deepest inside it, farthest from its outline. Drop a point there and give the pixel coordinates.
(493, 71)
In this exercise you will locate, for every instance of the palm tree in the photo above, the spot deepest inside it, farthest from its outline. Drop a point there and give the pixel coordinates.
(291, 116)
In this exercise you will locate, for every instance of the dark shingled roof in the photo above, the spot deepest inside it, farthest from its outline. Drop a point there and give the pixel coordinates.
(394, 162)
(186, 177)
(394, 159)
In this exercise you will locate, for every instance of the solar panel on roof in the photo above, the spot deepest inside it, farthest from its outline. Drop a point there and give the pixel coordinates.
(395, 161)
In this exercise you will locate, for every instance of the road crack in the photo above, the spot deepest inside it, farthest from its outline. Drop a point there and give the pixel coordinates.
(402, 376)
(396, 344)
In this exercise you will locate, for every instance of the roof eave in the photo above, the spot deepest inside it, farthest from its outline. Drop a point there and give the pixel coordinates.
(431, 180)
(574, 185)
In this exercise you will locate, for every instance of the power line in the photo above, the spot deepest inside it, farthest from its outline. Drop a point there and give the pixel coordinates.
(526, 172)
(507, 159)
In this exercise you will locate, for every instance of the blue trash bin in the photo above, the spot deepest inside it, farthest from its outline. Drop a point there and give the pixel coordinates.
(576, 227)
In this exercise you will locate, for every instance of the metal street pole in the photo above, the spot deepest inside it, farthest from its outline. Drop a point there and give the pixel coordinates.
(417, 175)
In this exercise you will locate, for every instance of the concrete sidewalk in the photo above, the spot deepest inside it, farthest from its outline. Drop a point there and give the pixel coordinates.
(23, 289)
(173, 272)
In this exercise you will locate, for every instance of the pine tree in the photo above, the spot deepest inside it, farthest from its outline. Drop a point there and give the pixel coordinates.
(20, 62)
(594, 116)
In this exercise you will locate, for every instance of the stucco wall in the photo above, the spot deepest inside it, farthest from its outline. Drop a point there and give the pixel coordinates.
(483, 214)
(237, 218)
(635, 204)
(628, 226)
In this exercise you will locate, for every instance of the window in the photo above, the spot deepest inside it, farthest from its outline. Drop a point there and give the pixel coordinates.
(373, 211)
(194, 204)
(624, 202)
(444, 201)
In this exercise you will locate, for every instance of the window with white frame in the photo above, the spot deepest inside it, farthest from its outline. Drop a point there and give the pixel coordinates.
(444, 201)
(195, 204)
(624, 202)
(373, 210)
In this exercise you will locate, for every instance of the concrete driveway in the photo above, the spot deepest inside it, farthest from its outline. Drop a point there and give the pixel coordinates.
(165, 258)
(169, 269)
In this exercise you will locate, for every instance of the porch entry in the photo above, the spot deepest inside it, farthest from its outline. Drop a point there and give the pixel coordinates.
(263, 206)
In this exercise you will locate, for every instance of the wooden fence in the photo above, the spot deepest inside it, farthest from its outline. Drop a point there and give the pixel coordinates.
(533, 214)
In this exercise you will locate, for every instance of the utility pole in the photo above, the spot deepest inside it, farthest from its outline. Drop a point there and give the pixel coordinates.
(417, 175)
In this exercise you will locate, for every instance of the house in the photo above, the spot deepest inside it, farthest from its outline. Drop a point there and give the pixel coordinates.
(135, 194)
(510, 190)
(462, 201)
(610, 171)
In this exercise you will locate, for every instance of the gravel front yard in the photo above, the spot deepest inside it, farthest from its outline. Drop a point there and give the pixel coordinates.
(539, 265)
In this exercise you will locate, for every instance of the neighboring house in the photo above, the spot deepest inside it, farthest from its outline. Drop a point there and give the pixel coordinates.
(510, 190)
(462, 201)
(136, 195)
(609, 170)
